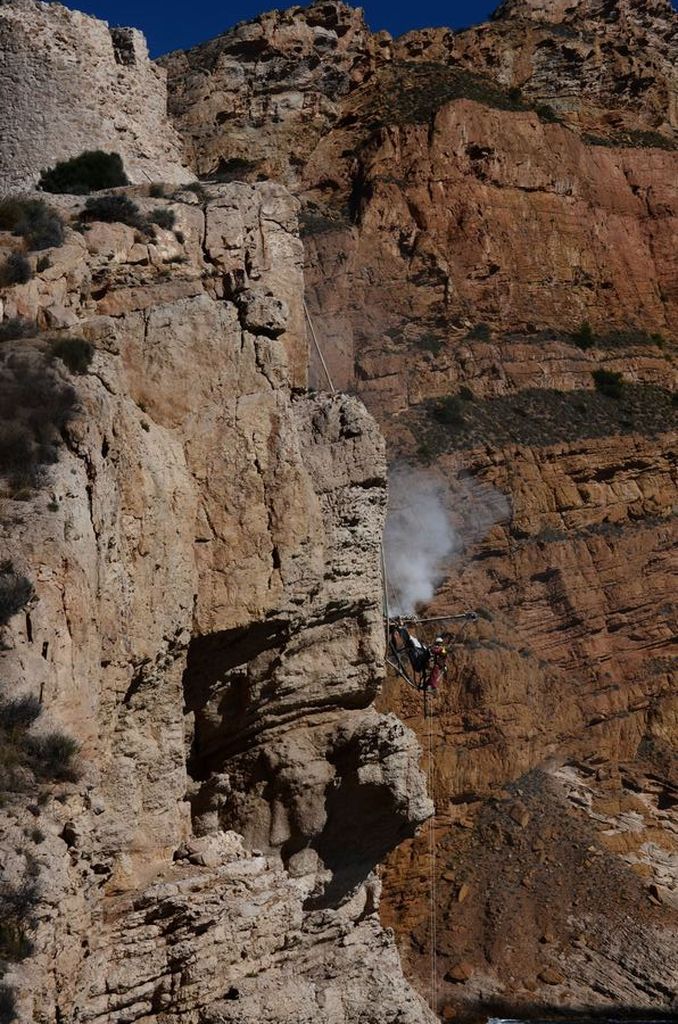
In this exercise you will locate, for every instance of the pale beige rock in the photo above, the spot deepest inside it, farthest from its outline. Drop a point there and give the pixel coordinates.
(207, 609)
(71, 83)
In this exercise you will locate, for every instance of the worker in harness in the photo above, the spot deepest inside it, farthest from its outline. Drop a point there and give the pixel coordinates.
(437, 667)
(429, 664)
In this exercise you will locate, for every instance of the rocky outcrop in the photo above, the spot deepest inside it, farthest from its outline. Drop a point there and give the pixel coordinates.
(605, 68)
(207, 625)
(233, 123)
(71, 83)
(259, 100)
(488, 220)
(565, 882)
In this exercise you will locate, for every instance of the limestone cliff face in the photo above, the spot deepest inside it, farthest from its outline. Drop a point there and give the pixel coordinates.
(470, 201)
(605, 67)
(207, 625)
(234, 123)
(70, 83)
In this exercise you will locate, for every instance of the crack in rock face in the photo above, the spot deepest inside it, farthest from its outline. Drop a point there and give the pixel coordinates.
(202, 551)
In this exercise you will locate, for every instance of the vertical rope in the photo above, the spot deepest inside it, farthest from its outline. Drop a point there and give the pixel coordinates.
(384, 581)
(432, 852)
(432, 857)
(333, 390)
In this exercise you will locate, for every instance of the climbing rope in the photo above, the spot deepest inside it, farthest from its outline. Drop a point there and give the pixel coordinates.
(396, 664)
(432, 858)
(333, 390)
(432, 851)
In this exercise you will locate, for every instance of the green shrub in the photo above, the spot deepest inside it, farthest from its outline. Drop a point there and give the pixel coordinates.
(8, 1011)
(429, 343)
(34, 220)
(26, 760)
(92, 171)
(20, 713)
(16, 327)
(14, 943)
(584, 337)
(15, 592)
(638, 139)
(17, 915)
(75, 353)
(35, 407)
(449, 411)
(113, 209)
(480, 332)
(52, 757)
(425, 452)
(157, 190)
(466, 394)
(609, 383)
(44, 263)
(546, 113)
(15, 270)
(163, 217)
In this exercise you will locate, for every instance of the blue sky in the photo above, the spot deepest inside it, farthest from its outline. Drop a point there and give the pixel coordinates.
(173, 25)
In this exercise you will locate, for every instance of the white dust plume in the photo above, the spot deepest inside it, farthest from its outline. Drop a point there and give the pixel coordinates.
(428, 525)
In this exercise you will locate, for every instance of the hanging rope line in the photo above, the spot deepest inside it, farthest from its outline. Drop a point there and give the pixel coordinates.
(333, 390)
(469, 616)
(395, 662)
(433, 882)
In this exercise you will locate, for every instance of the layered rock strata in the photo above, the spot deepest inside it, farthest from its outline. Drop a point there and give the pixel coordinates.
(207, 625)
(472, 201)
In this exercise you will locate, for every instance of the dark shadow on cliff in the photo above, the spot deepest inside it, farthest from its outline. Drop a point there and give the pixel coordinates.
(364, 823)
(217, 674)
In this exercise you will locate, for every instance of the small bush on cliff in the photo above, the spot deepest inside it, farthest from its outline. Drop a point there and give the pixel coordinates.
(51, 757)
(75, 353)
(584, 337)
(15, 592)
(15, 270)
(35, 407)
(547, 113)
(27, 760)
(449, 411)
(16, 327)
(163, 217)
(609, 383)
(8, 1010)
(430, 343)
(20, 714)
(113, 209)
(18, 902)
(34, 220)
(480, 332)
(92, 171)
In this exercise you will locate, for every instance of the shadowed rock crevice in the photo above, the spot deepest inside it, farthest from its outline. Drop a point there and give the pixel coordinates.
(207, 625)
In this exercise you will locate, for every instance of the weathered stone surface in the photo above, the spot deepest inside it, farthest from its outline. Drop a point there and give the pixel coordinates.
(207, 625)
(71, 83)
(458, 231)
(609, 68)
(221, 98)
